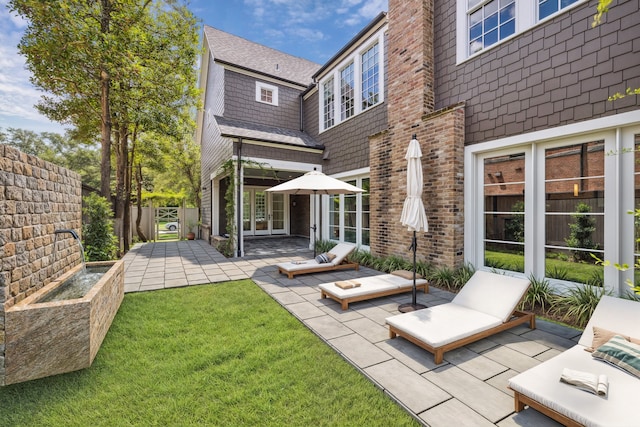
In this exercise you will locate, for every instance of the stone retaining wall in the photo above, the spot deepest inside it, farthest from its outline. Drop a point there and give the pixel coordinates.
(36, 198)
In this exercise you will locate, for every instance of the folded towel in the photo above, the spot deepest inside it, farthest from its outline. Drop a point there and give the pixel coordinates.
(298, 262)
(596, 384)
(347, 284)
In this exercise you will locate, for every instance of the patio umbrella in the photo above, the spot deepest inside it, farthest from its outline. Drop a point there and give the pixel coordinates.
(315, 183)
(413, 214)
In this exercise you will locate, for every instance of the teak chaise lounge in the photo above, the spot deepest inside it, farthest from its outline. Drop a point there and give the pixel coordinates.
(371, 287)
(485, 305)
(540, 388)
(340, 262)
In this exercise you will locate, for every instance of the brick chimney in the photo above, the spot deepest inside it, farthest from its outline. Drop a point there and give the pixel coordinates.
(411, 110)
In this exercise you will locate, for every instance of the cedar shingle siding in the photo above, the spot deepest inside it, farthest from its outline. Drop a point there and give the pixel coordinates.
(559, 72)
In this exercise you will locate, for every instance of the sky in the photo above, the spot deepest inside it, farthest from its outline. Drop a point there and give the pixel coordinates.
(310, 29)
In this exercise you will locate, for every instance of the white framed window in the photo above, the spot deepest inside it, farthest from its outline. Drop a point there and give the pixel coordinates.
(347, 98)
(348, 215)
(545, 202)
(266, 93)
(488, 23)
(354, 85)
(328, 104)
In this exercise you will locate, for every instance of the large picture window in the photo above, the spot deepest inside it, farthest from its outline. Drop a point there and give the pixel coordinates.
(354, 85)
(574, 212)
(504, 212)
(552, 207)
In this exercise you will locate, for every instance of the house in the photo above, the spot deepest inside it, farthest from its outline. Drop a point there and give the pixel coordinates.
(508, 99)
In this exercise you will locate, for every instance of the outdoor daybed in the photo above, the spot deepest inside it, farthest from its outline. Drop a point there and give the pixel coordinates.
(339, 262)
(541, 389)
(485, 305)
(371, 287)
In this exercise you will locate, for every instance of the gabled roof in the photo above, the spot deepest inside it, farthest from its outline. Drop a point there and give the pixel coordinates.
(233, 128)
(233, 50)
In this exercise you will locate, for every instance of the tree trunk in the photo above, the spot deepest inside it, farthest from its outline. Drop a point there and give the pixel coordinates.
(141, 235)
(105, 81)
(121, 198)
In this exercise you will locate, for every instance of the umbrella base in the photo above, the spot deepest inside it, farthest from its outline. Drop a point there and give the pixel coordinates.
(408, 307)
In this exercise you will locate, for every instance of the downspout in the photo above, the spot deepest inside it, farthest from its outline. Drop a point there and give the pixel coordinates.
(301, 113)
(239, 205)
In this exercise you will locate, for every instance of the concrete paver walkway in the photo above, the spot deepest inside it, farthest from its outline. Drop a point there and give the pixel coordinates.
(468, 389)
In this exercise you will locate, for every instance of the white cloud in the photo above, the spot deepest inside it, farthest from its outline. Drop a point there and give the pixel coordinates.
(372, 8)
(307, 34)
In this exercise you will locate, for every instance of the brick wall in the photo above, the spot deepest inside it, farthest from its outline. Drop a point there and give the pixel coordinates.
(441, 138)
(36, 198)
(410, 104)
(556, 73)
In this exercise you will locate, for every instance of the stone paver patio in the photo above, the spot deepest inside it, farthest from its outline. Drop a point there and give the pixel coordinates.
(468, 389)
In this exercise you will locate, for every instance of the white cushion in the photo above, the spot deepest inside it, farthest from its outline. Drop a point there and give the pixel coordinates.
(442, 324)
(370, 285)
(341, 251)
(494, 294)
(542, 383)
(307, 264)
(615, 314)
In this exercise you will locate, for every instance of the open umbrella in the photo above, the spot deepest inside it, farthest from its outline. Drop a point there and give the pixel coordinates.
(413, 214)
(315, 183)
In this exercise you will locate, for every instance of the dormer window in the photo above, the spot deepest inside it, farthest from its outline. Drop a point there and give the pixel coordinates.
(267, 94)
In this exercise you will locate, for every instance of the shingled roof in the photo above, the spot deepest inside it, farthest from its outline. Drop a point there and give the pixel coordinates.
(237, 128)
(234, 50)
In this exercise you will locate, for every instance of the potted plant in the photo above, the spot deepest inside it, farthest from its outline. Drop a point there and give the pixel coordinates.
(191, 235)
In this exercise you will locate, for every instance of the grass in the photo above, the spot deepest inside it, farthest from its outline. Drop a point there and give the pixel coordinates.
(224, 354)
(556, 268)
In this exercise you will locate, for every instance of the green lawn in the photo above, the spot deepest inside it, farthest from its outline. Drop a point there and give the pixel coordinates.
(224, 354)
(574, 271)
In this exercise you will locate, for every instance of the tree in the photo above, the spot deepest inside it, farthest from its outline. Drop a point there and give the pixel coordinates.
(126, 66)
(580, 232)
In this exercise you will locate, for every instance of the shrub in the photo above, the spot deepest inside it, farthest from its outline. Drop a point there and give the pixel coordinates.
(581, 231)
(461, 275)
(100, 243)
(578, 304)
(539, 294)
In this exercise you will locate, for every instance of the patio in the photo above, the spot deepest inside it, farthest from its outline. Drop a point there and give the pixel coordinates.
(468, 389)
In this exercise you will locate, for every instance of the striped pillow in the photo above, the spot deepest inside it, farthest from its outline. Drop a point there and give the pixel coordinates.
(322, 258)
(621, 353)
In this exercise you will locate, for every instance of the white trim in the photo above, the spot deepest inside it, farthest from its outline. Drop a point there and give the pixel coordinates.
(262, 77)
(352, 174)
(274, 93)
(283, 165)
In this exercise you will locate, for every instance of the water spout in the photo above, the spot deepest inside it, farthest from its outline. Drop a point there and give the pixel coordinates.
(76, 237)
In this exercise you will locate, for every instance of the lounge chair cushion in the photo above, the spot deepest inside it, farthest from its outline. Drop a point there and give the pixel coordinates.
(443, 324)
(370, 285)
(341, 251)
(493, 294)
(621, 353)
(542, 383)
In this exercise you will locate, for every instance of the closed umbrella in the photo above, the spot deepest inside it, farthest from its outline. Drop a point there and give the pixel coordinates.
(315, 183)
(413, 213)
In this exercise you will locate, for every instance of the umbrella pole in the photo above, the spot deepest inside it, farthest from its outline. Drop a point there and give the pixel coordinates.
(413, 305)
(315, 200)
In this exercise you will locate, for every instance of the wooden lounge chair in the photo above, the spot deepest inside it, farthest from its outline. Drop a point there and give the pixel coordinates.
(340, 262)
(541, 389)
(484, 306)
(371, 287)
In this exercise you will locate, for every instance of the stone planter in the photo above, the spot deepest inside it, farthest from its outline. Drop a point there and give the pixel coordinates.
(49, 338)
